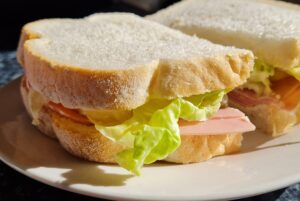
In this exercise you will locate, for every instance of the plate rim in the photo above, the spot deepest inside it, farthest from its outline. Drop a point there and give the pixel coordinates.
(122, 196)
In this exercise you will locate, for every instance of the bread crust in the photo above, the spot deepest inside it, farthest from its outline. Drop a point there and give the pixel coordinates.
(86, 142)
(195, 148)
(127, 89)
(269, 118)
(281, 51)
(281, 4)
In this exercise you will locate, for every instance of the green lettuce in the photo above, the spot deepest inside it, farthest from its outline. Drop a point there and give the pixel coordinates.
(295, 72)
(152, 132)
(259, 80)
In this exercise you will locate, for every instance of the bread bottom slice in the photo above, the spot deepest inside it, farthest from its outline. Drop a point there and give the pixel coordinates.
(86, 142)
(269, 118)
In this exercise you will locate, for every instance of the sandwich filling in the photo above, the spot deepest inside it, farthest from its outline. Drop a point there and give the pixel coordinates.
(270, 85)
(152, 131)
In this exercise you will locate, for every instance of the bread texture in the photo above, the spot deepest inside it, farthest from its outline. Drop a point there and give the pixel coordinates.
(119, 60)
(271, 29)
(269, 118)
(86, 142)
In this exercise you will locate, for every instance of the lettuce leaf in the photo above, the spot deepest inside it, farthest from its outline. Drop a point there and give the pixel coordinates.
(295, 72)
(259, 80)
(152, 132)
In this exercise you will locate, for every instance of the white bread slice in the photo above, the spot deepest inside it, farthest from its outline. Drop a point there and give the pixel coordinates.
(269, 118)
(118, 60)
(87, 143)
(271, 29)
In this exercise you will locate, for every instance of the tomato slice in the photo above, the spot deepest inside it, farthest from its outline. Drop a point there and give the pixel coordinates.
(72, 114)
(289, 91)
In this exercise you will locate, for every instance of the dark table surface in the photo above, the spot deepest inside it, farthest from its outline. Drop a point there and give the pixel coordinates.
(15, 186)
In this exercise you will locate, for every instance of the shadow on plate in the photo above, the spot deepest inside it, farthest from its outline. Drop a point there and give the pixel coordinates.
(23, 145)
(254, 141)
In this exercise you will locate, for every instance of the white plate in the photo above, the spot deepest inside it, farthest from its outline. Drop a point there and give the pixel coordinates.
(264, 165)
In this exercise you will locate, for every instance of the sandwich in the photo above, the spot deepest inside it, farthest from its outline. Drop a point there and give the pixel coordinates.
(271, 29)
(116, 88)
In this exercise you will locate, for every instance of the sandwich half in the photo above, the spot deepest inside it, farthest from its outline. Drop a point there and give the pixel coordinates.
(116, 88)
(271, 29)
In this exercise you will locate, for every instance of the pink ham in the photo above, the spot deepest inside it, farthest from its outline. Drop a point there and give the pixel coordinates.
(227, 120)
(249, 98)
(228, 113)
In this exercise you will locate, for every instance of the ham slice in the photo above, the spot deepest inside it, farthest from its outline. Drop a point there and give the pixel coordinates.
(227, 113)
(225, 121)
(249, 98)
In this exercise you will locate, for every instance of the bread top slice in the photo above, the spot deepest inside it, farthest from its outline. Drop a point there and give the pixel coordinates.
(119, 60)
(113, 42)
(271, 29)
